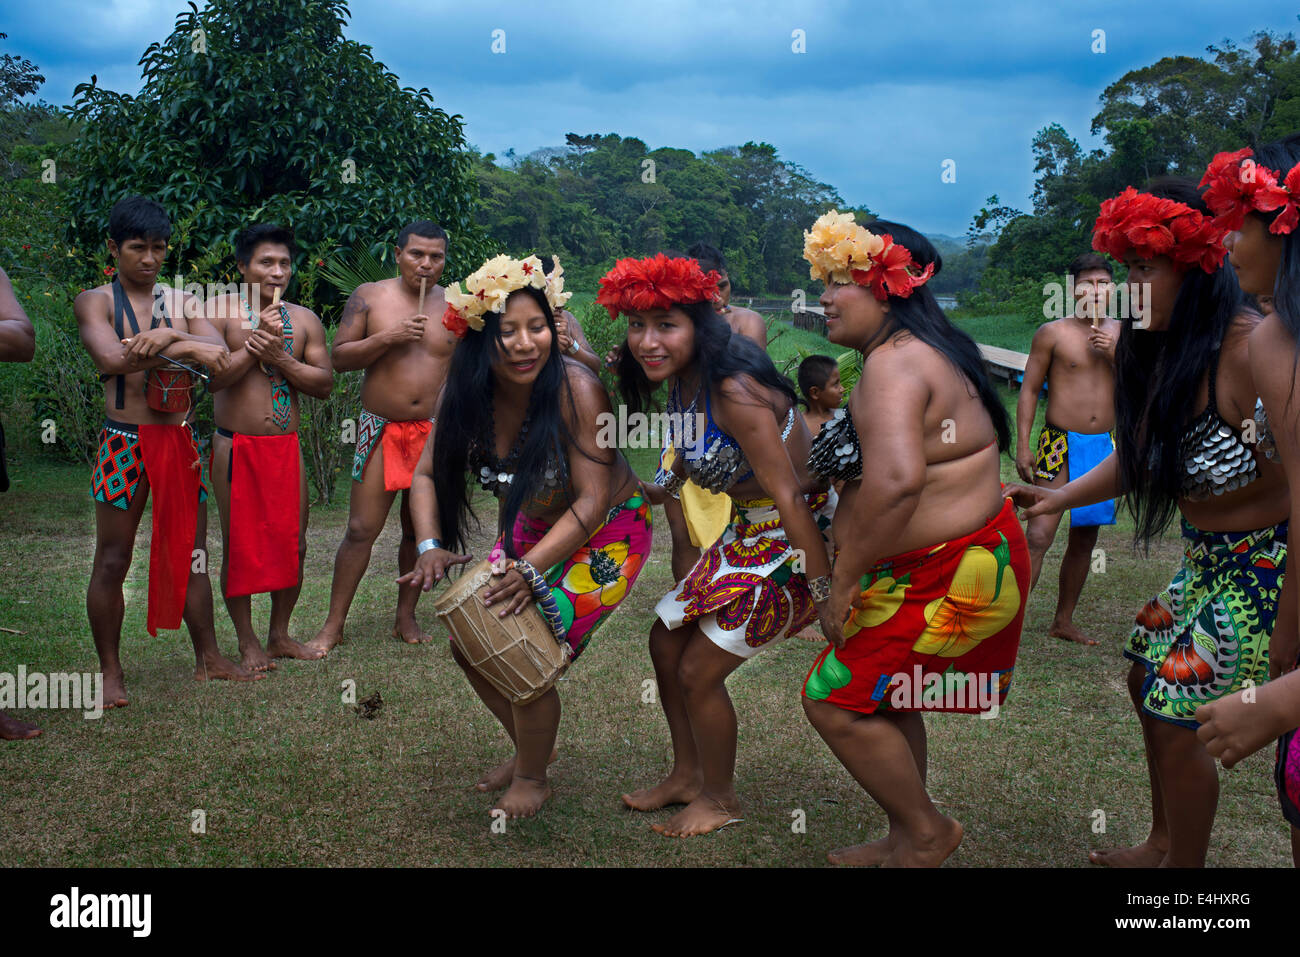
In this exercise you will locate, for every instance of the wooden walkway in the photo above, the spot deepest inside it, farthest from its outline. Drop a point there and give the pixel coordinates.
(1004, 364)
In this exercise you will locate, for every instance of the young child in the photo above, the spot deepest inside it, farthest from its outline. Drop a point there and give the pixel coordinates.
(819, 381)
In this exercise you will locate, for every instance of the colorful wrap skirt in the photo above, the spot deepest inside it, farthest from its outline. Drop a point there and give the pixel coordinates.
(403, 442)
(168, 457)
(749, 587)
(1206, 635)
(592, 582)
(933, 629)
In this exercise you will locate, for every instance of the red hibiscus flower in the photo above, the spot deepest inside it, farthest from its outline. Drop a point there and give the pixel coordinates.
(455, 323)
(1148, 226)
(658, 282)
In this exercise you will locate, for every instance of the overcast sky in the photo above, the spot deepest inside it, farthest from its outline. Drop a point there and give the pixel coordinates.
(883, 95)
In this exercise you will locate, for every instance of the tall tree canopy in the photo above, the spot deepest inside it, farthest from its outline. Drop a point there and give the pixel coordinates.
(267, 111)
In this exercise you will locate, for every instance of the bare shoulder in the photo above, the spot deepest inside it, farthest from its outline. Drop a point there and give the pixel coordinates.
(1272, 350)
(585, 384)
(1268, 334)
(304, 318)
(1236, 339)
(93, 303)
(904, 364)
(742, 388)
(1046, 334)
(220, 309)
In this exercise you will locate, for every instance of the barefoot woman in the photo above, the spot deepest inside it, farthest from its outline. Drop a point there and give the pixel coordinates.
(1185, 404)
(1257, 198)
(932, 566)
(748, 589)
(574, 527)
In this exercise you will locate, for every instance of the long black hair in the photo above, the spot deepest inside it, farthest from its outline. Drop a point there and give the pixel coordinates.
(1282, 156)
(465, 419)
(920, 315)
(720, 354)
(1158, 376)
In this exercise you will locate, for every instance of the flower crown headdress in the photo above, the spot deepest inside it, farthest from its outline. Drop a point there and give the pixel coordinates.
(1238, 185)
(490, 286)
(1149, 226)
(839, 250)
(656, 282)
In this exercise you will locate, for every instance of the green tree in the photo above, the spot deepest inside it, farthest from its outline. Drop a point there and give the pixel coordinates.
(266, 111)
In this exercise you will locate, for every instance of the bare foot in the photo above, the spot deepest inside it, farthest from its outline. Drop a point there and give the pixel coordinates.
(931, 851)
(673, 789)
(863, 855)
(811, 633)
(253, 658)
(504, 773)
(115, 690)
(326, 639)
(11, 729)
(209, 668)
(410, 632)
(525, 797)
(701, 816)
(1146, 854)
(282, 646)
(1069, 631)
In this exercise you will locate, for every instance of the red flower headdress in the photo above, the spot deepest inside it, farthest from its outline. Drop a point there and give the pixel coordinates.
(657, 282)
(1149, 226)
(839, 250)
(1238, 185)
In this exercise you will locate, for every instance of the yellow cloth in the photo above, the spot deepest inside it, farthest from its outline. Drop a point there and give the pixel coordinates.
(707, 513)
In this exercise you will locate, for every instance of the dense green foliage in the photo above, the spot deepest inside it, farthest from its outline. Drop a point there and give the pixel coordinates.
(603, 197)
(267, 112)
(1167, 118)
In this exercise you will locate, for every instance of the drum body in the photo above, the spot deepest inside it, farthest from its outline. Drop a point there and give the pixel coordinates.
(168, 390)
(518, 654)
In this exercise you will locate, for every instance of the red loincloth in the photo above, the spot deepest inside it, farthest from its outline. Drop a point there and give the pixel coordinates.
(265, 514)
(171, 461)
(403, 443)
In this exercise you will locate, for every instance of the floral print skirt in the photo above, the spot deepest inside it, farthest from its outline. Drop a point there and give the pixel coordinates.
(1206, 635)
(749, 589)
(934, 629)
(595, 579)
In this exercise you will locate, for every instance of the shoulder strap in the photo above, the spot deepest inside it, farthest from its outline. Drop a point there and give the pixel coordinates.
(1213, 404)
(287, 325)
(159, 308)
(122, 313)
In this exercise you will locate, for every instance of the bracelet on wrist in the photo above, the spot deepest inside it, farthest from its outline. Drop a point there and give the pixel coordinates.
(546, 603)
(820, 588)
(428, 545)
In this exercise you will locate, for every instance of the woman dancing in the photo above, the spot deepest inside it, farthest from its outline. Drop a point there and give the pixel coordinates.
(1256, 197)
(932, 566)
(573, 526)
(768, 575)
(1185, 404)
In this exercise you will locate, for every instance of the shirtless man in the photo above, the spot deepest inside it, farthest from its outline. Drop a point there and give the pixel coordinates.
(1076, 356)
(126, 325)
(273, 356)
(17, 344)
(744, 321)
(405, 357)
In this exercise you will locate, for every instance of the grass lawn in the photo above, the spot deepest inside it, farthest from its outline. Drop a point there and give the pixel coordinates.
(289, 775)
